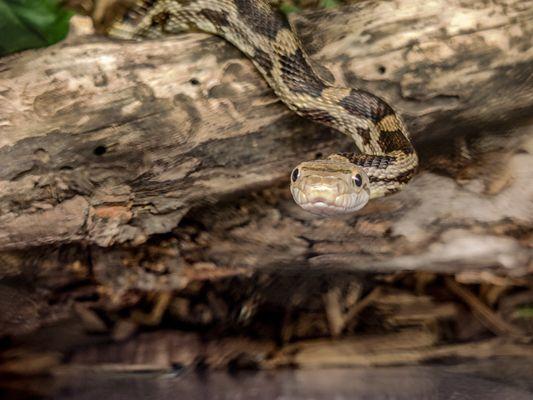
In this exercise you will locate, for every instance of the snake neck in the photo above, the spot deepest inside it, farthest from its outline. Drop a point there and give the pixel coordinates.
(265, 36)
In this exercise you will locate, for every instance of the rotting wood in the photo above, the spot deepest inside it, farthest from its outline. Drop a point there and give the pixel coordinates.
(111, 142)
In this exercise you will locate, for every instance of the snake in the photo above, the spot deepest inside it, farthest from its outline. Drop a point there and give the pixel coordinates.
(384, 160)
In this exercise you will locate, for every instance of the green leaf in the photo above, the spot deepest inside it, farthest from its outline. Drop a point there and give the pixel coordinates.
(524, 312)
(329, 3)
(26, 24)
(287, 8)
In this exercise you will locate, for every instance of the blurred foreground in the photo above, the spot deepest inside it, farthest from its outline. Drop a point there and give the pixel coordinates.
(489, 380)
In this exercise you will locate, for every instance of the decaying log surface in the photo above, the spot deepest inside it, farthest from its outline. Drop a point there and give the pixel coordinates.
(111, 142)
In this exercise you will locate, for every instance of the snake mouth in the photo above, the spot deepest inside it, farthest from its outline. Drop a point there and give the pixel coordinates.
(330, 205)
(324, 209)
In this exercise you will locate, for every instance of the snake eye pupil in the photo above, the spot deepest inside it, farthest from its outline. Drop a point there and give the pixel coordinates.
(295, 174)
(358, 180)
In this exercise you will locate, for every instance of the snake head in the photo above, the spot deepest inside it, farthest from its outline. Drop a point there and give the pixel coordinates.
(330, 187)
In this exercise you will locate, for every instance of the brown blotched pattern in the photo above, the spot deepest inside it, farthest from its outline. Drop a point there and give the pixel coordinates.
(298, 75)
(135, 14)
(370, 161)
(318, 115)
(366, 105)
(263, 61)
(161, 20)
(265, 20)
(218, 18)
(390, 141)
(402, 178)
(364, 133)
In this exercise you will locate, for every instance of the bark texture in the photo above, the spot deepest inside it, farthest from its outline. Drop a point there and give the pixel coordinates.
(111, 142)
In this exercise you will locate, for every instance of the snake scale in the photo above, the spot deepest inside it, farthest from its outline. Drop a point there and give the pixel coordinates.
(342, 182)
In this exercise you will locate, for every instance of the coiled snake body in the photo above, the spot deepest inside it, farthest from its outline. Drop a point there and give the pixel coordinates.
(339, 184)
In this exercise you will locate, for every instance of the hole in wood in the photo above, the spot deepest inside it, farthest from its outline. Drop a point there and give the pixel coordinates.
(99, 150)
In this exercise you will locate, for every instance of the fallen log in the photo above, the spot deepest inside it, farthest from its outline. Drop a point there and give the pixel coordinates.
(110, 142)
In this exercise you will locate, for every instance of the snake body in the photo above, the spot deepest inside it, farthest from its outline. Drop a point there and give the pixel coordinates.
(340, 183)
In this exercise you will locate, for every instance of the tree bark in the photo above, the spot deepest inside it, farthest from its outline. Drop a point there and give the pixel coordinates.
(110, 142)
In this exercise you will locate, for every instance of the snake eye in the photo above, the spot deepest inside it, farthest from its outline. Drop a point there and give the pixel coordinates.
(295, 174)
(357, 180)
